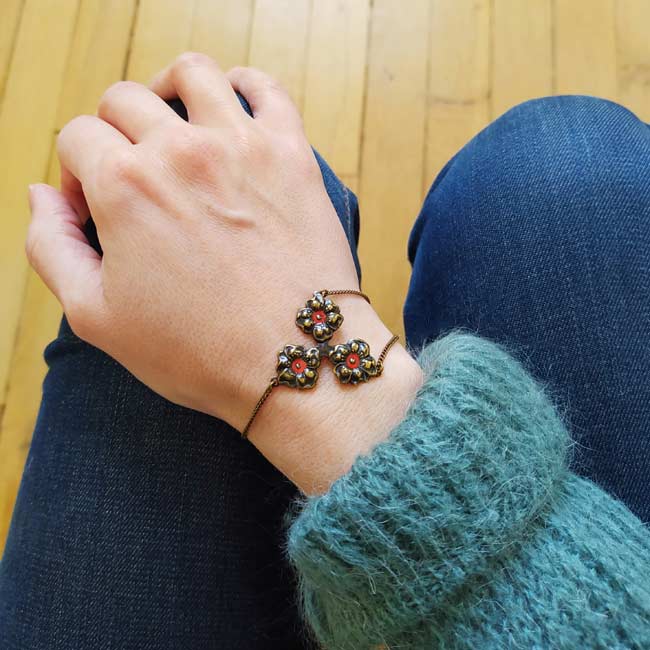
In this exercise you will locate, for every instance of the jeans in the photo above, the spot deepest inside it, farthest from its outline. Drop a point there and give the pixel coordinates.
(140, 524)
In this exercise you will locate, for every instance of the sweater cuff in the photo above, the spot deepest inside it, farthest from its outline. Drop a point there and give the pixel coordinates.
(475, 462)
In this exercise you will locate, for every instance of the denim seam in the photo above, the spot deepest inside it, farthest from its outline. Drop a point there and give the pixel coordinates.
(346, 198)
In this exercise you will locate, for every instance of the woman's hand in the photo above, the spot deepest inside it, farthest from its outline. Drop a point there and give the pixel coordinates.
(214, 232)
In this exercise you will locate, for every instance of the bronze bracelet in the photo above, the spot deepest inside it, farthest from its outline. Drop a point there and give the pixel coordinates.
(297, 366)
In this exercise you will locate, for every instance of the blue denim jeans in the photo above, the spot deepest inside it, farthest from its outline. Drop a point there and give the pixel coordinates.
(140, 524)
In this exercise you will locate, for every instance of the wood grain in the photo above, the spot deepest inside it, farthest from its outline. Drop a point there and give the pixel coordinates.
(458, 88)
(585, 48)
(335, 80)
(162, 31)
(522, 52)
(222, 29)
(393, 151)
(633, 56)
(279, 42)
(10, 12)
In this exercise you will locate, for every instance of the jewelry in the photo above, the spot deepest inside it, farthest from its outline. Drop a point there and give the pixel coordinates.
(297, 366)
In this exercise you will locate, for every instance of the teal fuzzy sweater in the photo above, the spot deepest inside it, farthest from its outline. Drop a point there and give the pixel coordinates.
(465, 528)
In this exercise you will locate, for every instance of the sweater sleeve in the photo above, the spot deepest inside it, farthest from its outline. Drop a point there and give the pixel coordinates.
(464, 529)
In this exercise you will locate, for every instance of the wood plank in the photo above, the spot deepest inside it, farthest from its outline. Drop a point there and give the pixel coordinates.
(10, 11)
(335, 80)
(392, 150)
(100, 43)
(633, 56)
(458, 97)
(522, 53)
(279, 42)
(162, 31)
(585, 47)
(222, 30)
(28, 116)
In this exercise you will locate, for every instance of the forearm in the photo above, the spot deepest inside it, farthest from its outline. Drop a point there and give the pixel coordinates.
(314, 436)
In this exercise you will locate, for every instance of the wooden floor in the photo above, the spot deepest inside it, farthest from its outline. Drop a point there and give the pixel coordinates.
(389, 90)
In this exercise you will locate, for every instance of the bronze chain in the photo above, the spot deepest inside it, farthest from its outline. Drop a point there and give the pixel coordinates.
(328, 292)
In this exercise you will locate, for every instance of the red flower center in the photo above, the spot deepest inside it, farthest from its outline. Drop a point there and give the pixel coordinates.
(352, 360)
(298, 365)
(319, 316)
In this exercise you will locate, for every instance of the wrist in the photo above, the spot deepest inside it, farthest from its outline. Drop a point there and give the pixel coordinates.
(314, 436)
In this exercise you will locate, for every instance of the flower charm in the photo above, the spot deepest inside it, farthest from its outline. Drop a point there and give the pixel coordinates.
(320, 317)
(353, 362)
(297, 366)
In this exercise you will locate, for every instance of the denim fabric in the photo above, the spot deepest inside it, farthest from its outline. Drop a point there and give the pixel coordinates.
(537, 235)
(143, 525)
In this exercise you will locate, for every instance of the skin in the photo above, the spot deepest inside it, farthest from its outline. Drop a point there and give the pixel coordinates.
(214, 233)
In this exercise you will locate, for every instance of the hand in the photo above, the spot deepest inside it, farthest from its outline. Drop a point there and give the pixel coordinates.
(214, 232)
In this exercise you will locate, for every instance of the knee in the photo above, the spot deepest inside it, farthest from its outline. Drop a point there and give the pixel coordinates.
(557, 141)
(576, 108)
(558, 115)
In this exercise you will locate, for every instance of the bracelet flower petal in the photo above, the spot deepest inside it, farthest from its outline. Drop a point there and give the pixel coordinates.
(297, 366)
(320, 317)
(353, 362)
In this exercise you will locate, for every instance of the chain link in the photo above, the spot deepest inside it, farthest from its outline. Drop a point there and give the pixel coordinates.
(354, 292)
(384, 352)
(272, 384)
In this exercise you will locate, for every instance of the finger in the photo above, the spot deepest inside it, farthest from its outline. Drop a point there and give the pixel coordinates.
(199, 82)
(73, 192)
(134, 110)
(268, 100)
(59, 252)
(84, 141)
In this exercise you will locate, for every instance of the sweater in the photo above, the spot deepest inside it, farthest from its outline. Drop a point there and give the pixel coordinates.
(466, 529)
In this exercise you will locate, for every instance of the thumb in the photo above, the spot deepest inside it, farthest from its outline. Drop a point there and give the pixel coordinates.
(59, 252)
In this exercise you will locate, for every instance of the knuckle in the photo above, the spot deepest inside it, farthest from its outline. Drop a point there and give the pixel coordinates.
(190, 60)
(113, 92)
(272, 86)
(191, 151)
(78, 123)
(119, 166)
(236, 71)
(244, 140)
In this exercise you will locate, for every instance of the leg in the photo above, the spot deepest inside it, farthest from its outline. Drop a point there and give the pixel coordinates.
(537, 234)
(141, 524)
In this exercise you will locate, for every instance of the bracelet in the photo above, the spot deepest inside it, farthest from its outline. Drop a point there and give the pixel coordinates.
(297, 366)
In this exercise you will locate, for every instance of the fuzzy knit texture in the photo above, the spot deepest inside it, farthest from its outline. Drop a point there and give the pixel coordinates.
(465, 529)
